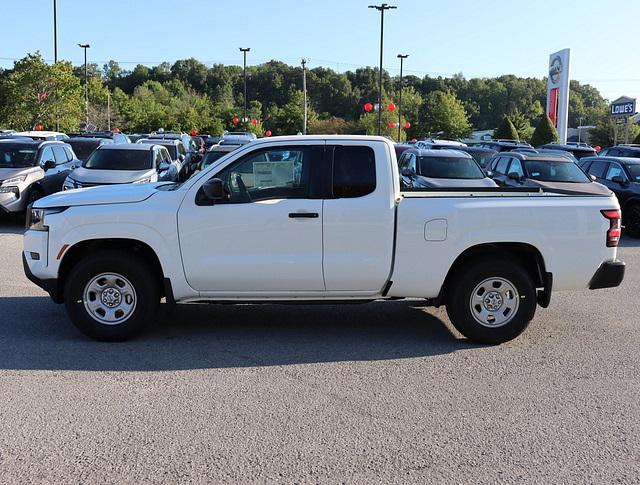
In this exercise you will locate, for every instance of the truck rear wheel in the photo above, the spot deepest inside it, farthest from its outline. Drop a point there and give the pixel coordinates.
(491, 301)
(110, 296)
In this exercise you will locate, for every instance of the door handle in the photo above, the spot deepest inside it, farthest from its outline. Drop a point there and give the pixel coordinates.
(301, 215)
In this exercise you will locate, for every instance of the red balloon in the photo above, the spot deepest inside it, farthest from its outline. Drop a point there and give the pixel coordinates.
(392, 124)
(267, 133)
(235, 119)
(597, 148)
(368, 107)
(38, 127)
(391, 107)
(254, 122)
(194, 132)
(116, 130)
(407, 125)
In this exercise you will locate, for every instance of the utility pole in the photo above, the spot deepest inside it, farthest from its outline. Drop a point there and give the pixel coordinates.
(55, 31)
(304, 90)
(108, 110)
(381, 9)
(86, 86)
(244, 51)
(402, 57)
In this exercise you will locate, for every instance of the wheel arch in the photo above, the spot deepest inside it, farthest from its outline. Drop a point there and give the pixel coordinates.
(75, 254)
(526, 254)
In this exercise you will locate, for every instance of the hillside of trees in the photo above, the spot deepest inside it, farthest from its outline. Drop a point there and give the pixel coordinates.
(190, 95)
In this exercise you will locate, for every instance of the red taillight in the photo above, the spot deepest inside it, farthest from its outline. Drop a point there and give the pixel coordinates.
(615, 227)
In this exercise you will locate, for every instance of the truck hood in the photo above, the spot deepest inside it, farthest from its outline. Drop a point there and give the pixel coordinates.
(93, 176)
(106, 194)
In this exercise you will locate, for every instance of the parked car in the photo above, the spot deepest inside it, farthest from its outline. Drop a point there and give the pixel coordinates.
(622, 176)
(210, 140)
(547, 151)
(516, 169)
(421, 168)
(115, 136)
(134, 137)
(400, 148)
(628, 151)
(481, 155)
(316, 219)
(215, 153)
(431, 144)
(503, 145)
(176, 151)
(30, 169)
(578, 150)
(118, 163)
(84, 146)
(188, 144)
(43, 135)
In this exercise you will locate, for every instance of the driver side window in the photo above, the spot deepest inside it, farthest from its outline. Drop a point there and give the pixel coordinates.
(276, 173)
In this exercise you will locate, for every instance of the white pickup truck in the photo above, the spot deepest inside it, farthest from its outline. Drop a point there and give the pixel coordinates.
(317, 219)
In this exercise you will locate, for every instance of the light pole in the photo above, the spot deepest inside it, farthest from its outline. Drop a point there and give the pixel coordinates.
(55, 31)
(304, 90)
(381, 9)
(402, 57)
(86, 85)
(244, 51)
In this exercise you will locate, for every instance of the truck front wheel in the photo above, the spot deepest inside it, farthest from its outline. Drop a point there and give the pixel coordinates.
(492, 301)
(111, 295)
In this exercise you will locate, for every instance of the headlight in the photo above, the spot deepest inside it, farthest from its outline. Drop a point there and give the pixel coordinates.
(36, 218)
(14, 180)
(142, 181)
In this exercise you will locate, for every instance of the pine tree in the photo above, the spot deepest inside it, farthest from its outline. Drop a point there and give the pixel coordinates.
(506, 130)
(545, 132)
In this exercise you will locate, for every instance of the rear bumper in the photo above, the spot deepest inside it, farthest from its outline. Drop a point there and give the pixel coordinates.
(610, 274)
(48, 285)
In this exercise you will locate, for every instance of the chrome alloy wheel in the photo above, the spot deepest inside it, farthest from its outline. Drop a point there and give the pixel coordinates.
(109, 298)
(494, 302)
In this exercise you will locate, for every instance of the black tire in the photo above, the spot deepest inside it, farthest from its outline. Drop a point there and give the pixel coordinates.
(517, 313)
(135, 272)
(632, 221)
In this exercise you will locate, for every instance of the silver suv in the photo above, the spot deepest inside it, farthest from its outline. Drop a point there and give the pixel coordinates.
(31, 169)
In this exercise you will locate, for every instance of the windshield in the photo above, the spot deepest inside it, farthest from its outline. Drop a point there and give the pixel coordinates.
(173, 149)
(83, 148)
(211, 157)
(555, 171)
(449, 168)
(17, 157)
(119, 160)
(634, 171)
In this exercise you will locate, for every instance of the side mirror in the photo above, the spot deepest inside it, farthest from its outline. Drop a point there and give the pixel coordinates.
(216, 189)
(181, 157)
(515, 176)
(489, 174)
(163, 165)
(48, 165)
(593, 177)
(619, 180)
(407, 172)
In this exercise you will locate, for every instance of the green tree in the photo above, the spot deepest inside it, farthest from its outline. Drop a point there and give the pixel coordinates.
(506, 130)
(443, 112)
(636, 140)
(545, 132)
(522, 125)
(35, 92)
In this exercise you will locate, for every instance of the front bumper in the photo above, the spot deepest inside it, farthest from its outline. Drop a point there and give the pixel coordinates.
(609, 275)
(49, 285)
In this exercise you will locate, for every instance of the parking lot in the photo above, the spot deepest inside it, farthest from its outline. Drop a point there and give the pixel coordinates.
(378, 393)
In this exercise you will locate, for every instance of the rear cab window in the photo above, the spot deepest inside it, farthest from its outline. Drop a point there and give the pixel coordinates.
(354, 171)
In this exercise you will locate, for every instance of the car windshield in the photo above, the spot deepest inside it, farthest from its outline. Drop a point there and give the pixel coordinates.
(449, 168)
(634, 171)
(119, 160)
(17, 156)
(171, 147)
(83, 148)
(555, 171)
(211, 157)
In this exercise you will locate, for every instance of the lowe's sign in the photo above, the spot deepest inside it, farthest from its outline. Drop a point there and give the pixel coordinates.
(623, 107)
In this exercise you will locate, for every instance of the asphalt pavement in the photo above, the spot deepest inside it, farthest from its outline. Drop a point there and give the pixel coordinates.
(386, 392)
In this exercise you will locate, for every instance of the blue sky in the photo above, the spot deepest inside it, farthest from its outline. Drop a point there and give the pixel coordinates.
(475, 37)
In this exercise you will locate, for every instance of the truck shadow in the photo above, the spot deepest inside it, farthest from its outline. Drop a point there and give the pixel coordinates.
(37, 335)
(11, 224)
